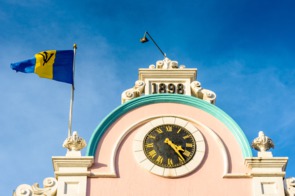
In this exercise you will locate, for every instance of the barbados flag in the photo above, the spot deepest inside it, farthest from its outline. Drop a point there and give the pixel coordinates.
(51, 64)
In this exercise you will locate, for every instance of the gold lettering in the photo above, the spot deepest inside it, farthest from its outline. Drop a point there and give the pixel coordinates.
(179, 130)
(169, 162)
(181, 161)
(152, 153)
(159, 160)
(151, 137)
(189, 145)
(159, 130)
(186, 153)
(168, 128)
(149, 145)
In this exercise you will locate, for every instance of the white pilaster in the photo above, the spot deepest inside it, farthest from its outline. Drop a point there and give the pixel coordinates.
(72, 172)
(267, 173)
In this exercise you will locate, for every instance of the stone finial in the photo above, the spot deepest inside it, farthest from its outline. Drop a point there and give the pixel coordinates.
(74, 142)
(262, 143)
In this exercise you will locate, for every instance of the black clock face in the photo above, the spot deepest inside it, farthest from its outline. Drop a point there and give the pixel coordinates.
(169, 146)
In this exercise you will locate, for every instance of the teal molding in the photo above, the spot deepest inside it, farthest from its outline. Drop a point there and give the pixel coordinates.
(169, 98)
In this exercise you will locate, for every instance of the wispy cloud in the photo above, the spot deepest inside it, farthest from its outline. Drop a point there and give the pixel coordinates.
(242, 53)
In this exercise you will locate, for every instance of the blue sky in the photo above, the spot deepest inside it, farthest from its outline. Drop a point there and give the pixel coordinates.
(244, 52)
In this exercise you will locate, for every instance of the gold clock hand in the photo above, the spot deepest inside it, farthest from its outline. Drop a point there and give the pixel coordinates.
(179, 148)
(174, 147)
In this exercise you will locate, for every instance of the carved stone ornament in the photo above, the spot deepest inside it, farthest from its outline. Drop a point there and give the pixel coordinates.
(290, 186)
(166, 64)
(262, 143)
(201, 93)
(134, 92)
(50, 188)
(74, 142)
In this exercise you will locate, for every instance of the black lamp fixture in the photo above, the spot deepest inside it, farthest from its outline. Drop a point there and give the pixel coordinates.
(145, 39)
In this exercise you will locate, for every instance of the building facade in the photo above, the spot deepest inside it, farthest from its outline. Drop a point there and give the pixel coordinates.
(166, 138)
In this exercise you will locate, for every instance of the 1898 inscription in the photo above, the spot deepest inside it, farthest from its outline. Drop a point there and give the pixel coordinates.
(167, 88)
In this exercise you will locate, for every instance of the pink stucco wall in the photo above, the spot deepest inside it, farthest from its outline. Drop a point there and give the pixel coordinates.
(114, 154)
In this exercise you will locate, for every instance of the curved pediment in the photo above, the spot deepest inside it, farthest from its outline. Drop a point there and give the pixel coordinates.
(170, 98)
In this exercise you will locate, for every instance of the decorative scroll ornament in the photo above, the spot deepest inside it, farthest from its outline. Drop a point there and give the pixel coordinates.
(262, 143)
(50, 188)
(290, 186)
(134, 92)
(74, 142)
(201, 93)
(166, 64)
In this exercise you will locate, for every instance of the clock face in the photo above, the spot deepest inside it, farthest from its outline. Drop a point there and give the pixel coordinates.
(169, 145)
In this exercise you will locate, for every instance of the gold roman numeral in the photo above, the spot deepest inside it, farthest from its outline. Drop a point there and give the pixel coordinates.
(186, 153)
(181, 161)
(168, 128)
(159, 159)
(189, 145)
(152, 153)
(179, 130)
(151, 137)
(159, 130)
(169, 162)
(149, 145)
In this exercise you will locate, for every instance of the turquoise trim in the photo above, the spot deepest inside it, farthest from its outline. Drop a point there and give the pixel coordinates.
(169, 98)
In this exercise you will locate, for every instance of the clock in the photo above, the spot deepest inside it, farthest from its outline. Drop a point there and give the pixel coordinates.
(169, 146)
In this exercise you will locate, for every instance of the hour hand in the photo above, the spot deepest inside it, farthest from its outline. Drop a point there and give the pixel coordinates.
(174, 147)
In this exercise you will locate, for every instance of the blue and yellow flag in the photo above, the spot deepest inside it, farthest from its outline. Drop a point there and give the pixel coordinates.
(51, 64)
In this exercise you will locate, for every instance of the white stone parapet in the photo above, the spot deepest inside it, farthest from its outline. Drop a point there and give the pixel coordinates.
(168, 77)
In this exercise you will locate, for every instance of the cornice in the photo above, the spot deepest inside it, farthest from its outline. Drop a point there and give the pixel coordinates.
(72, 162)
(274, 162)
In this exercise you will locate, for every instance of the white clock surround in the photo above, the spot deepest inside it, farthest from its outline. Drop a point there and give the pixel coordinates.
(183, 170)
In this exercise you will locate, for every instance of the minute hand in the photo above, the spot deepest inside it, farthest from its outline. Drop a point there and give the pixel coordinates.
(175, 147)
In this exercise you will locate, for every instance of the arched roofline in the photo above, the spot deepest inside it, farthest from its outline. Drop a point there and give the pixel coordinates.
(169, 98)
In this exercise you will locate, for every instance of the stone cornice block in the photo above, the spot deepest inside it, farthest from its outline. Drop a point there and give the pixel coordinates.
(72, 164)
(190, 74)
(275, 166)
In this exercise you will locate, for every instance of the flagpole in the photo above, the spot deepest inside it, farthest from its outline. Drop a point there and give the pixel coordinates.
(72, 94)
